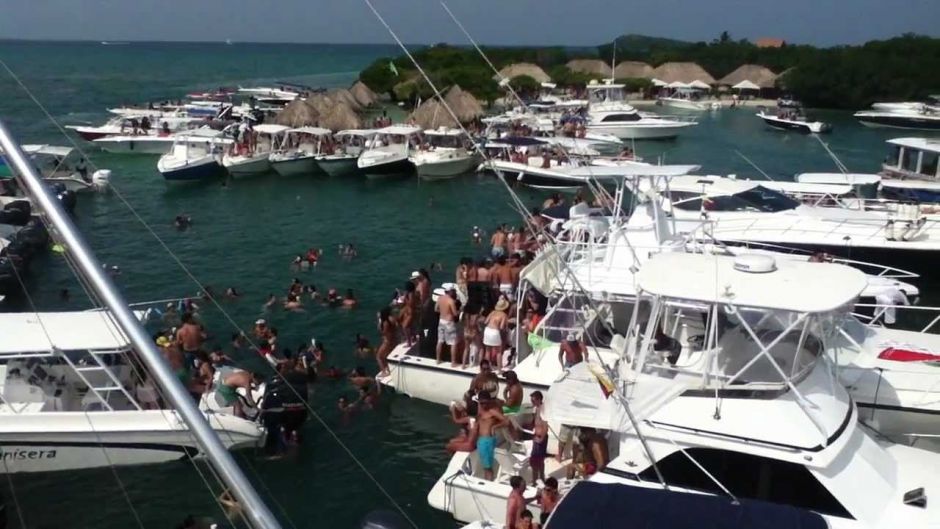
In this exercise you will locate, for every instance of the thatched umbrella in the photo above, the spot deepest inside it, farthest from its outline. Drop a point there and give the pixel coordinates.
(341, 94)
(321, 102)
(297, 113)
(464, 105)
(633, 70)
(590, 66)
(684, 72)
(363, 94)
(523, 68)
(340, 117)
(756, 74)
(431, 115)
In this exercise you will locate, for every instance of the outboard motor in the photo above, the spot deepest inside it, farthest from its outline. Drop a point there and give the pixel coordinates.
(101, 179)
(16, 213)
(384, 519)
(284, 408)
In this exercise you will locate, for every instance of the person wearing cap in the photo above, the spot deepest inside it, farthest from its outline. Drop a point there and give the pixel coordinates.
(446, 307)
(572, 351)
(261, 330)
(493, 333)
(422, 283)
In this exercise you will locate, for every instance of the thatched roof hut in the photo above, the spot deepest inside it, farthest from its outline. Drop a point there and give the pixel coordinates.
(321, 102)
(523, 68)
(297, 113)
(684, 72)
(345, 96)
(340, 117)
(633, 70)
(759, 75)
(464, 105)
(431, 115)
(363, 94)
(590, 66)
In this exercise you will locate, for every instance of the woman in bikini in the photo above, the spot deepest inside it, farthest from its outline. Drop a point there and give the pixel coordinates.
(388, 328)
(493, 332)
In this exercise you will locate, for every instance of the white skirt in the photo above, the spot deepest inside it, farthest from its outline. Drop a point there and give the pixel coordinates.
(492, 337)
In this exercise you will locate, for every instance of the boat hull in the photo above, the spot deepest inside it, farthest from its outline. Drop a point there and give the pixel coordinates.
(900, 121)
(338, 166)
(798, 126)
(66, 440)
(446, 169)
(306, 165)
(401, 167)
(253, 166)
(627, 132)
(194, 172)
(134, 147)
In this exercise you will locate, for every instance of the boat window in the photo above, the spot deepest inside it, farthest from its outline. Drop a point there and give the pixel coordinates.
(747, 476)
(928, 164)
(909, 160)
(767, 200)
(633, 116)
(894, 153)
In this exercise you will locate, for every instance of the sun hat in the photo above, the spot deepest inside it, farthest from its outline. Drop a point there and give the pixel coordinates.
(502, 305)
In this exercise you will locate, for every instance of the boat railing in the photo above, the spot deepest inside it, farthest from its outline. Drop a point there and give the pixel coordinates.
(922, 319)
(898, 232)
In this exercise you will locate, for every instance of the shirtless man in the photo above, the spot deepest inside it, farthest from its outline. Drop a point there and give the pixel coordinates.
(422, 286)
(489, 419)
(571, 352)
(498, 243)
(485, 380)
(227, 392)
(501, 277)
(190, 336)
(447, 326)
(515, 504)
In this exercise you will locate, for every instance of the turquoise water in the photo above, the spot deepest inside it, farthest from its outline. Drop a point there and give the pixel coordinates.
(245, 235)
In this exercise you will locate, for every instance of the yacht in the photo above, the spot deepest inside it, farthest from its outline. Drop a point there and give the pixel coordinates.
(686, 98)
(719, 355)
(387, 152)
(136, 144)
(296, 151)
(195, 156)
(793, 119)
(274, 95)
(249, 160)
(123, 125)
(444, 154)
(911, 170)
(924, 117)
(74, 397)
(609, 113)
(742, 212)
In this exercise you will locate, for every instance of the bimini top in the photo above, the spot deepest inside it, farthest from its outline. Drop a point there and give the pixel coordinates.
(443, 131)
(400, 130)
(25, 332)
(316, 131)
(48, 150)
(365, 133)
(712, 186)
(922, 144)
(270, 128)
(797, 286)
(591, 504)
(855, 179)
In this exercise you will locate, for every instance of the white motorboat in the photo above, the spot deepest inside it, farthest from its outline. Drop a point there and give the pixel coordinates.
(444, 154)
(279, 95)
(719, 357)
(296, 151)
(740, 212)
(135, 126)
(922, 118)
(388, 152)
(349, 145)
(609, 113)
(252, 157)
(136, 144)
(687, 97)
(793, 119)
(911, 170)
(195, 156)
(58, 165)
(74, 398)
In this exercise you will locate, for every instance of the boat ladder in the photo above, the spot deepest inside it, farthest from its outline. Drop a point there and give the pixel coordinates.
(84, 370)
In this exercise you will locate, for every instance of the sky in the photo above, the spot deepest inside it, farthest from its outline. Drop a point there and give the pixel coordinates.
(508, 22)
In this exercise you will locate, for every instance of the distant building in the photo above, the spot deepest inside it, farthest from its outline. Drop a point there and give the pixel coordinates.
(770, 42)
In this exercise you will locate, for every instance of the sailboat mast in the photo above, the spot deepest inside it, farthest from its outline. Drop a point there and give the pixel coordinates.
(218, 455)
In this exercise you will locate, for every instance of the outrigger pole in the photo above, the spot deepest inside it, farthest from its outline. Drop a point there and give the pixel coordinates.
(101, 284)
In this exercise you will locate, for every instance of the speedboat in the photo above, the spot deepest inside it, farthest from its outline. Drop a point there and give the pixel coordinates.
(609, 113)
(911, 170)
(252, 157)
(444, 155)
(793, 119)
(195, 156)
(349, 144)
(123, 125)
(387, 153)
(686, 97)
(296, 151)
(723, 396)
(279, 95)
(136, 144)
(73, 399)
(922, 118)
(58, 166)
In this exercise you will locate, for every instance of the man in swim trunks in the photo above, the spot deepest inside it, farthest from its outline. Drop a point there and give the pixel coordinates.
(447, 326)
(489, 419)
(515, 503)
(512, 393)
(227, 392)
(539, 439)
(498, 242)
(571, 352)
(501, 277)
(190, 337)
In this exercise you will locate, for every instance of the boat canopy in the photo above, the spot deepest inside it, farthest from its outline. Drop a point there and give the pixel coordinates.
(315, 131)
(399, 130)
(791, 188)
(579, 400)
(921, 144)
(794, 286)
(707, 185)
(25, 332)
(443, 131)
(516, 141)
(365, 133)
(48, 150)
(592, 504)
(270, 128)
(631, 170)
(853, 179)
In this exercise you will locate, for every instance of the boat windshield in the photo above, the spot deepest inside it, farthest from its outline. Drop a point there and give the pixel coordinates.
(759, 199)
(894, 154)
(603, 95)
